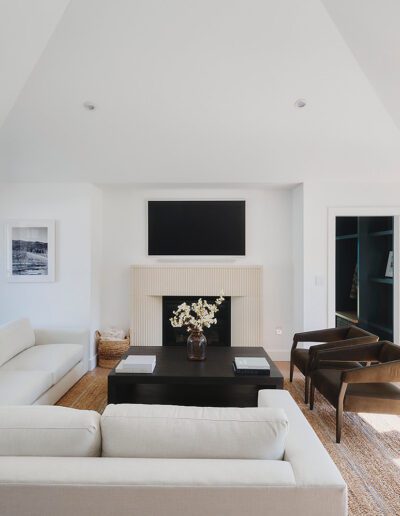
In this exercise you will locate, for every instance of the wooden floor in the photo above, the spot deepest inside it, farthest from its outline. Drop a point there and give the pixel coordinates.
(90, 393)
(368, 456)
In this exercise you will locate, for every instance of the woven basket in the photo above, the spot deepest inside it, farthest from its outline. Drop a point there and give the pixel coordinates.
(109, 352)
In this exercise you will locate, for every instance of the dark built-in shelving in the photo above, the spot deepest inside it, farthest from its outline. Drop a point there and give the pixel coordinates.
(384, 281)
(347, 237)
(387, 232)
(380, 328)
(364, 294)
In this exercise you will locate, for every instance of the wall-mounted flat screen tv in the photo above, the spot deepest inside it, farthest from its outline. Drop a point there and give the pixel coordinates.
(197, 228)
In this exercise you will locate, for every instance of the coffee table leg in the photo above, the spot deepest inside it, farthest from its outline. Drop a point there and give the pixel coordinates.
(279, 384)
(112, 391)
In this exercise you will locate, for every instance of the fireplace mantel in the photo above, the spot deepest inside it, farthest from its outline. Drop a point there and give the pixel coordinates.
(149, 283)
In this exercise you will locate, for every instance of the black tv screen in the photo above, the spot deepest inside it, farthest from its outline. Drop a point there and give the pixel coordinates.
(196, 228)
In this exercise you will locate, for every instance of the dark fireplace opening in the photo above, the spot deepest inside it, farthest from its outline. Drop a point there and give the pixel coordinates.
(218, 335)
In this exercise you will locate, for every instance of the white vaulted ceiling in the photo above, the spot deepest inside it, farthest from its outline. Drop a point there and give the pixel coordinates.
(371, 30)
(197, 91)
(25, 29)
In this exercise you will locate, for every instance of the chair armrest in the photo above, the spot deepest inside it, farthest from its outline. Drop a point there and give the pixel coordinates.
(327, 335)
(377, 373)
(350, 350)
(61, 336)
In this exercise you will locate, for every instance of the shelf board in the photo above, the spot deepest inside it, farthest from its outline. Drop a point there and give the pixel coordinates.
(347, 237)
(352, 317)
(386, 232)
(384, 281)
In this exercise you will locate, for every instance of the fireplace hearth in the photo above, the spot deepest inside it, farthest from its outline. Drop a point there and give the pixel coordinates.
(218, 335)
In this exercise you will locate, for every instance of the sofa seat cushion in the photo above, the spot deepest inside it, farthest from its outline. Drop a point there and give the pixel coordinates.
(197, 473)
(14, 338)
(57, 359)
(47, 431)
(166, 431)
(23, 387)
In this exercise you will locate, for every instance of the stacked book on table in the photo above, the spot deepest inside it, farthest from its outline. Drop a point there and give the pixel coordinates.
(137, 364)
(251, 365)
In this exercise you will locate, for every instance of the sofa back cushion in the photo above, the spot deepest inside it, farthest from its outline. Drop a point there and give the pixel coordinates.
(15, 336)
(46, 431)
(164, 431)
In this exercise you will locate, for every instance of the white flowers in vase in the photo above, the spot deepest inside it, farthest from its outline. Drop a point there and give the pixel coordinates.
(196, 316)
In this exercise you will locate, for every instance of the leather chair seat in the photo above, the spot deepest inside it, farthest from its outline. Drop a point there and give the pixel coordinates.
(338, 364)
(300, 359)
(368, 397)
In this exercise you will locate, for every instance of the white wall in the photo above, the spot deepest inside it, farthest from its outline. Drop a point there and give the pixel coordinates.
(101, 231)
(298, 257)
(96, 265)
(317, 200)
(269, 243)
(68, 301)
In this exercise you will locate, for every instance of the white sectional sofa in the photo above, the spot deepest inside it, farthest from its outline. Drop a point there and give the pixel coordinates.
(144, 460)
(39, 366)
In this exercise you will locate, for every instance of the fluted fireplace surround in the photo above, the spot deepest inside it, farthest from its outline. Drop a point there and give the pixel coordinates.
(242, 283)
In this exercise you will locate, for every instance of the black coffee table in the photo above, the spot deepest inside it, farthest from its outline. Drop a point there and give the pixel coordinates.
(177, 380)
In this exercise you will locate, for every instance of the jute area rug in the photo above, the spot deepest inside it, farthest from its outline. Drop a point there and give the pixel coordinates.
(368, 456)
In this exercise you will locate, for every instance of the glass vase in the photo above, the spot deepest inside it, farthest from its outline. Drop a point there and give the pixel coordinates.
(196, 346)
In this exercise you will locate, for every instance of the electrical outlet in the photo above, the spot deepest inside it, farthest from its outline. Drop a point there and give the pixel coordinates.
(278, 330)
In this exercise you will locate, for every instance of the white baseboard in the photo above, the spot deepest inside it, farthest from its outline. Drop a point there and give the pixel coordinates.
(278, 355)
(92, 362)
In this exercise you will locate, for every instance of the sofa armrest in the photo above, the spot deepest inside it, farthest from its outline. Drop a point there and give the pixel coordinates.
(377, 373)
(61, 336)
(311, 463)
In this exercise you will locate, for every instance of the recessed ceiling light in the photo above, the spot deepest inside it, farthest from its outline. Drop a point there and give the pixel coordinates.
(89, 106)
(300, 103)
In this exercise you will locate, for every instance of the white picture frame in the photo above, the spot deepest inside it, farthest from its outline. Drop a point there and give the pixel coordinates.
(30, 248)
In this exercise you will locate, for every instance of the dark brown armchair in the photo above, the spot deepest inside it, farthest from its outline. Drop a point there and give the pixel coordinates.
(330, 338)
(360, 389)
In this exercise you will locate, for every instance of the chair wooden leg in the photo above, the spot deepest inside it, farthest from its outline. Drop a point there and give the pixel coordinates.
(312, 393)
(306, 388)
(339, 411)
(291, 371)
(339, 423)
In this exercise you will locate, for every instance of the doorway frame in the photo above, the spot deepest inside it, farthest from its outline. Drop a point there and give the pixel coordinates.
(362, 212)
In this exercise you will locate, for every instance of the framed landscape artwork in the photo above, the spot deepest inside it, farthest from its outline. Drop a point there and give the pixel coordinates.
(30, 251)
